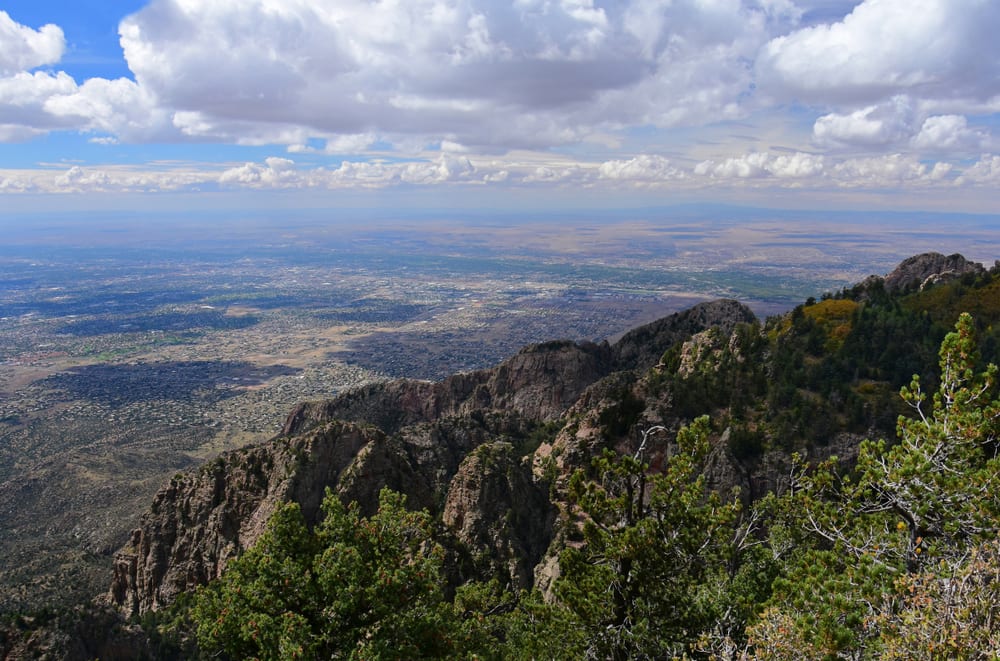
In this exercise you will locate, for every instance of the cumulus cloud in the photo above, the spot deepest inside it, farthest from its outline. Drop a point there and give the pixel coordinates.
(762, 164)
(542, 73)
(24, 95)
(985, 171)
(118, 107)
(883, 171)
(873, 126)
(447, 168)
(894, 75)
(432, 92)
(274, 173)
(898, 124)
(23, 49)
(949, 133)
(532, 73)
(754, 170)
(35, 102)
(936, 48)
(645, 168)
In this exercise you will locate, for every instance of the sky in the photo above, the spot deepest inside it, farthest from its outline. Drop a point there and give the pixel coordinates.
(881, 104)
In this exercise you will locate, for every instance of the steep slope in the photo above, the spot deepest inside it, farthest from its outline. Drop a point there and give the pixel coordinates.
(412, 436)
(538, 383)
(642, 347)
(489, 452)
(200, 520)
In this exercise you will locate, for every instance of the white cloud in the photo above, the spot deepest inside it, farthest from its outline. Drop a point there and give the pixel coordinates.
(755, 165)
(797, 165)
(77, 179)
(350, 144)
(929, 48)
(118, 107)
(23, 97)
(480, 73)
(497, 177)
(949, 133)
(883, 171)
(760, 171)
(878, 125)
(985, 171)
(897, 124)
(545, 174)
(15, 185)
(362, 175)
(18, 133)
(23, 49)
(742, 167)
(447, 168)
(643, 168)
(274, 173)
(479, 92)
(23, 93)
(941, 171)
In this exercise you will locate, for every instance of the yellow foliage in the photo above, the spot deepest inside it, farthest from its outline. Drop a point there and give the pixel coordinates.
(832, 312)
(944, 303)
(834, 316)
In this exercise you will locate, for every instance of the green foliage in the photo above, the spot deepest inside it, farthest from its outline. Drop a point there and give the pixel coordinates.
(905, 513)
(856, 560)
(619, 418)
(517, 627)
(352, 588)
(829, 366)
(543, 433)
(651, 542)
(835, 318)
(947, 302)
(746, 443)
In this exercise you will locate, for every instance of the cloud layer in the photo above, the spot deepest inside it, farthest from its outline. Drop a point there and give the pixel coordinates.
(891, 81)
(892, 173)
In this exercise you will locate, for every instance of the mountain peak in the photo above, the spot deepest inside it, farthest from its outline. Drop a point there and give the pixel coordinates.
(928, 268)
(642, 347)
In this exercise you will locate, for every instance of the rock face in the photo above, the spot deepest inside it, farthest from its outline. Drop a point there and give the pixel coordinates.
(496, 506)
(927, 269)
(200, 520)
(461, 448)
(538, 384)
(642, 348)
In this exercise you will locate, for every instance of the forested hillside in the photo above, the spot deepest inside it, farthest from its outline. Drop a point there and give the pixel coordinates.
(818, 485)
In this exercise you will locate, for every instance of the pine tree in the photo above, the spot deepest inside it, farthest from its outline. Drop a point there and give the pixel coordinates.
(360, 588)
(916, 507)
(651, 540)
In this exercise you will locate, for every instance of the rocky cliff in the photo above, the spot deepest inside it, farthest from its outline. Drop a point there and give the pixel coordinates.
(927, 269)
(200, 520)
(460, 447)
(642, 347)
(488, 452)
(537, 384)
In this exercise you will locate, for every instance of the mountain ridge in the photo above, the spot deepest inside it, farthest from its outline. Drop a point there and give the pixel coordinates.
(489, 453)
(410, 435)
(540, 414)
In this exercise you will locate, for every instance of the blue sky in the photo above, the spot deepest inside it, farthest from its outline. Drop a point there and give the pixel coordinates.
(883, 104)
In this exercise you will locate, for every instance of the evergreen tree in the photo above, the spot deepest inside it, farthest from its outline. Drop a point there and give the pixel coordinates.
(353, 588)
(914, 509)
(637, 586)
